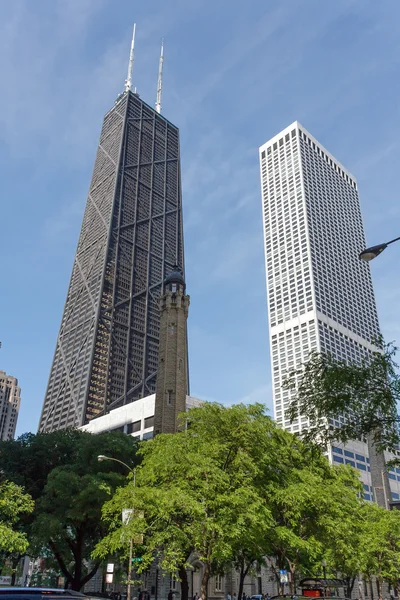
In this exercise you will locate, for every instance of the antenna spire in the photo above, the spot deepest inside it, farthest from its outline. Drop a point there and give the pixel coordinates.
(128, 80)
(159, 82)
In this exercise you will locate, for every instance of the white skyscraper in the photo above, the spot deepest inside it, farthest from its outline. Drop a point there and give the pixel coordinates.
(320, 295)
(10, 398)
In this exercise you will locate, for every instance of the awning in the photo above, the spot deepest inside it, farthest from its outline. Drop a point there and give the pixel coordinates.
(318, 583)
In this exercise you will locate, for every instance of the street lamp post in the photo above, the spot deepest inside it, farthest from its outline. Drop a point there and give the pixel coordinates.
(102, 457)
(377, 458)
(370, 253)
(125, 518)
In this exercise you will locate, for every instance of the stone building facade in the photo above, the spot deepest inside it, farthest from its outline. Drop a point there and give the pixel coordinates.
(172, 377)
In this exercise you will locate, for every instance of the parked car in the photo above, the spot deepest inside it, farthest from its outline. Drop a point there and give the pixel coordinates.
(37, 593)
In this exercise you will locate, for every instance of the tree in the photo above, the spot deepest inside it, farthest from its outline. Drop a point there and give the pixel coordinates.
(69, 485)
(199, 493)
(309, 511)
(340, 525)
(13, 503)
(230, 489)
(381, 543)
(365, 394)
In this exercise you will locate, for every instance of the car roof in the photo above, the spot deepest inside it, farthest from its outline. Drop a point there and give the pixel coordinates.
(39, 590)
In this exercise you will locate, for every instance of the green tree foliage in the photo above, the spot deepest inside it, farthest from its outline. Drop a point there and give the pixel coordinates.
(366, 394)
(381, 545)
(341, 535)
(232, 488)
(61, 472)
(306, 509)
(13, 503)
(195, 497)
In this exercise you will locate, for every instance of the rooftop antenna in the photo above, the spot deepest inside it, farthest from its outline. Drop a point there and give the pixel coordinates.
(128, 80)
(159, 82)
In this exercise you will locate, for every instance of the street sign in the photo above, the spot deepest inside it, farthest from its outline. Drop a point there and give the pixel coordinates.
(5, 579)
(110, 567)
(137, 559)
(283, 576)
(126, 515)
(109, 577)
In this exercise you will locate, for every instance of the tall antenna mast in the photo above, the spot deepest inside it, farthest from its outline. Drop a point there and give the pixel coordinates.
(128, 80)
(159, 82)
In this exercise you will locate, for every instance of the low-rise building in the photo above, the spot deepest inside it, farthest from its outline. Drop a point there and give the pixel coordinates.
(136, 418)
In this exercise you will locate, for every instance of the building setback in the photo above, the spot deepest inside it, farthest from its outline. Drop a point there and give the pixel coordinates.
(320, 295)
(107, 348)
(10, 399)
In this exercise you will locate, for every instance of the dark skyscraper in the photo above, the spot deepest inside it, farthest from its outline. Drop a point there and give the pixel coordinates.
(131, 238)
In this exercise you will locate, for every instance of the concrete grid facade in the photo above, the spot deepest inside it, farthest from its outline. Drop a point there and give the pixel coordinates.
(131, 237)
(10, 399)
(320, 295)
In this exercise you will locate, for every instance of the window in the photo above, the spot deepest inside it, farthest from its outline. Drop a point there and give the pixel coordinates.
(132, 427)
(148, 435)
(149, 422)
(218, 583)
(337, 450)
(172, 582)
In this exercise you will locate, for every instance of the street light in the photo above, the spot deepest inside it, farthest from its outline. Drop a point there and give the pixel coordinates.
(370, 253)
(102, 457)
(125, 518)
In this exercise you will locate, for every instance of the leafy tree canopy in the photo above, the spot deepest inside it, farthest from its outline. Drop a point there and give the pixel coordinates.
(381, 544)
(195, 496)
(233, 487)
(365, 394)
(13, 503)
(61, 472)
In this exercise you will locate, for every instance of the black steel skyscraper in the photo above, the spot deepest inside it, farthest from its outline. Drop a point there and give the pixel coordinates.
(131, 238)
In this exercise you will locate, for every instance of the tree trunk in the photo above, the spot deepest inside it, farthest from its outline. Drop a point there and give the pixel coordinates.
(397, 588)
(184, 583)
(76, 582)
(61, 564)
(350, 585)
(204, 581)
(292, 572)
(91, 574)
(14, 563)
(242, 577)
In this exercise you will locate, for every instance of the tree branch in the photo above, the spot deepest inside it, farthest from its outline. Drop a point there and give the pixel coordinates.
(60, 561)
(89, 576)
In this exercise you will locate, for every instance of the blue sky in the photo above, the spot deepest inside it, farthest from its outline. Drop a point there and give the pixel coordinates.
(235, 74)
